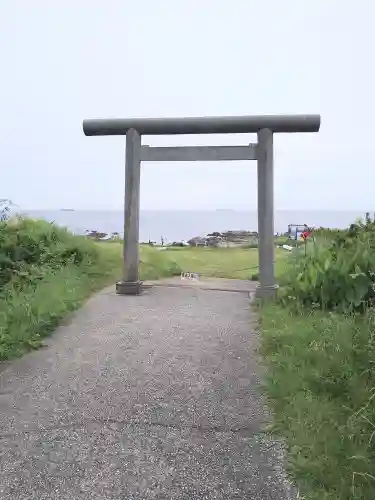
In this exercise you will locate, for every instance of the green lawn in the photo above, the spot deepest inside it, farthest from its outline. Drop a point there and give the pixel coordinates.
(154, 264)
(239, 263)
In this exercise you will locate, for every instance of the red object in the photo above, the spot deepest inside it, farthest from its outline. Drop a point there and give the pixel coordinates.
(305, 234)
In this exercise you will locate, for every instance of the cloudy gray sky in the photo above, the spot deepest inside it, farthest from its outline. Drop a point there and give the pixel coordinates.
(65, 61)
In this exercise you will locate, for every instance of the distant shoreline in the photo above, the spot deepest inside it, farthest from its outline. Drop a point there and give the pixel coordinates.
(180, 225)
(187, 210)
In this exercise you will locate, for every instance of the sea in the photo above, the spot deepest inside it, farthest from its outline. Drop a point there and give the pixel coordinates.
(181, 225)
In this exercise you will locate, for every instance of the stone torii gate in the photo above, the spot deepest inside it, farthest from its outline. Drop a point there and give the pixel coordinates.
(262, 151)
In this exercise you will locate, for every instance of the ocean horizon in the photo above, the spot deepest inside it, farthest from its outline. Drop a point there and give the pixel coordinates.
(179, 225)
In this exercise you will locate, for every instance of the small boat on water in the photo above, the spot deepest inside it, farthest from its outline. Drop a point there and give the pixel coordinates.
(67, 210)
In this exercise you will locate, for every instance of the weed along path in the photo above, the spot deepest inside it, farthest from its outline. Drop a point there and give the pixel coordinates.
(147, 397)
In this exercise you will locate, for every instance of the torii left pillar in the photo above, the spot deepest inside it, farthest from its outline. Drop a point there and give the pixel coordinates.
(130, 284)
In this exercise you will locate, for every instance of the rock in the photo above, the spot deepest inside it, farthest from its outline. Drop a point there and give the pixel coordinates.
(197, 241)
(96, 235)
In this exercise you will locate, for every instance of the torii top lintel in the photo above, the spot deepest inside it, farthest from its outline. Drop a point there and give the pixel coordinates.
(203, 125)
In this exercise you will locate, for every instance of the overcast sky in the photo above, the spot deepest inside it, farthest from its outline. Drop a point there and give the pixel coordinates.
(65, 61)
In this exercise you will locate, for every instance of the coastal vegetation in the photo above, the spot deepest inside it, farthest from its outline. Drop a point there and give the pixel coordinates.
(319, 347)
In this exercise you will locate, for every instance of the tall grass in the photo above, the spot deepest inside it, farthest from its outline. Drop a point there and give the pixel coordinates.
(319, 345)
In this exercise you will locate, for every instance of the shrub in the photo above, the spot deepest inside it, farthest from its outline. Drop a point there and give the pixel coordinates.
(27, 246)
(44, 273)
(338, 271)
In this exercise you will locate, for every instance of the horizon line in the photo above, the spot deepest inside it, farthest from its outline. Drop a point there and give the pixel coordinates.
(71, 209)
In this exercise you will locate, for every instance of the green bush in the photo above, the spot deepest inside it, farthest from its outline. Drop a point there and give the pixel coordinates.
(27, 247)
(45, 271)
(338, 271)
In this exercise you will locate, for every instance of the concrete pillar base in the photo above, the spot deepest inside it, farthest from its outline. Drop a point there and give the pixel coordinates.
(129, 287)
(266, 292)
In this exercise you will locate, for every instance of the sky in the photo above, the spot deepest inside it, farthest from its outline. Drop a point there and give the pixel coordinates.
(62, 62)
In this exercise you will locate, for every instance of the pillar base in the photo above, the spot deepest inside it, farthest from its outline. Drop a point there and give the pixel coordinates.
(129, 287)
(266, 291)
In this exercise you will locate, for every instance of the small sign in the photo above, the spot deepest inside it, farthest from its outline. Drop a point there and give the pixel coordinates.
(189, 276)
(305, 235)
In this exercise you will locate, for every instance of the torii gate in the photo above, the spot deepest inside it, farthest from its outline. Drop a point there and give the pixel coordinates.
(262, 151)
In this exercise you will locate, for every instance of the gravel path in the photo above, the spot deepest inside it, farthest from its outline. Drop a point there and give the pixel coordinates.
(149, 397)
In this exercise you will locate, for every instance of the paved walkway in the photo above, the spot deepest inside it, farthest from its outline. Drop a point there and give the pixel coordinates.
(149, 397)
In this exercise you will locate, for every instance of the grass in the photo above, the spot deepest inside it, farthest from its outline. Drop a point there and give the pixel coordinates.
(153, 263)
(239, 263)
(318, 342)
(321, 386)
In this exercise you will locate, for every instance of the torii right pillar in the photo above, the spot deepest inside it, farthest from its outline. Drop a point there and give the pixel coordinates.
(267, 289)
